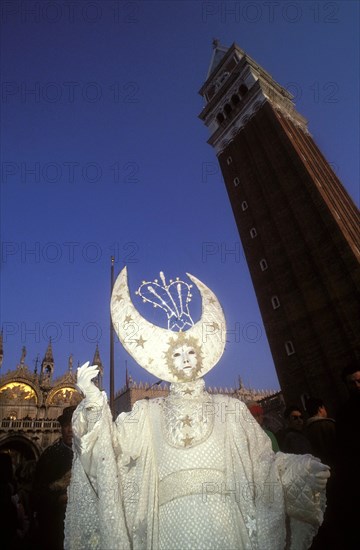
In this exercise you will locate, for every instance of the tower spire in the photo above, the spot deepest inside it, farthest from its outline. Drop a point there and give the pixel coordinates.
(47, 365)
(36, 361)
(22, 358)
(49, 352)
(1, 348)
(218, 53)
(97, 361)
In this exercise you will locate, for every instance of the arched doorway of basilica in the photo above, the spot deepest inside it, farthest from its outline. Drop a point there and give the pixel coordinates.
(20, 448)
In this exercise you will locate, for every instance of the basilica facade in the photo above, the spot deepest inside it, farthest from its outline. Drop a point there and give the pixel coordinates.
(31, 402)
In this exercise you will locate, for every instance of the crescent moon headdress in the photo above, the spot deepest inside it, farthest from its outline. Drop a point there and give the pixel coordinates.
(151, 346)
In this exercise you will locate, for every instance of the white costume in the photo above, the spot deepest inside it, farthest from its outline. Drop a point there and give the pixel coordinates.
(189, 471)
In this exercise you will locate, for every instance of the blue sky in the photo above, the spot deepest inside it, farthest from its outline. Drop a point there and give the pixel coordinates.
(102, 153)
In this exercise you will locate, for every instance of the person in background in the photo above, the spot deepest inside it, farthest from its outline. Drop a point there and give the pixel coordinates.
(9, 520)
(321, 431)
(25, 476)
(348, 459)
(293, 439)
(258, 413)
(52, 477)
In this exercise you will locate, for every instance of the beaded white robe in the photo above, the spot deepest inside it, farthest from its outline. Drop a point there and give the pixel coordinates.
(189, 471)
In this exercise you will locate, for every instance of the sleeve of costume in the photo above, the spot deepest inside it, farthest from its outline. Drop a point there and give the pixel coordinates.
(138, 470)
(278, 490)
(304, 506)
(95, 517)
(113, 493)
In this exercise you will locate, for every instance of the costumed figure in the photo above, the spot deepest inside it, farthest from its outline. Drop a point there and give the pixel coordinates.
(191, 470)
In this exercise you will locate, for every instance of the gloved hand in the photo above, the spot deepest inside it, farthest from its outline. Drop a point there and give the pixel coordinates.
(318, 474)
(84, 383)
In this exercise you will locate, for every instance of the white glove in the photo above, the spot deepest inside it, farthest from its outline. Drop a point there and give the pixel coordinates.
(319, 473)
(84, 383)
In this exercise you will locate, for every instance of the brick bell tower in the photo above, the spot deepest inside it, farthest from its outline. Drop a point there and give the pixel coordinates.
(298, 226)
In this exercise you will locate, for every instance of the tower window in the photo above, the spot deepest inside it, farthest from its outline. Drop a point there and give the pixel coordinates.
(289, 346)
(235, 99)
(236, 181)
(263, 264)
(229, 160)
(275, 302)
(243, 90)
(220, 118)
(221, 79)
(210, 92)
(253, 232)
(244, 205)
(227, 109)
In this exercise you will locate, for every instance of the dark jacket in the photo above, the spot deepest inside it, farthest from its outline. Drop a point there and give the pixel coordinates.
(49, 491)
(295, 442)
(321, 433)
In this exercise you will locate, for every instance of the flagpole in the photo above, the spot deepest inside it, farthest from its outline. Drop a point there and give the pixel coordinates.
(112, 393)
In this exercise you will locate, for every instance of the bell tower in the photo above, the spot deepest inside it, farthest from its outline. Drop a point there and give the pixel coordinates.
(97, 361)
(1, 348)
(298, 225)
(47, 366)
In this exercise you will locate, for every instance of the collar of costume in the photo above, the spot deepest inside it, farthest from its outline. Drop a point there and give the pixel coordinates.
(151, 346)
(194, 388)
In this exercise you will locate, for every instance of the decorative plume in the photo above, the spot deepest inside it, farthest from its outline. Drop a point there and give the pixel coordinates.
(173, 298)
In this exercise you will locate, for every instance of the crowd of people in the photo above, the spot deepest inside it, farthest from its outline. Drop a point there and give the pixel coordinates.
(34, 496)
(309, 430)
